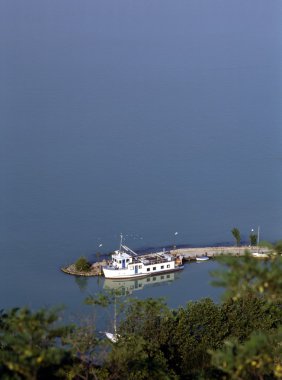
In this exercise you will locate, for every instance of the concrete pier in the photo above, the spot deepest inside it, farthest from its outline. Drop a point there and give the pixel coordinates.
(191, 253)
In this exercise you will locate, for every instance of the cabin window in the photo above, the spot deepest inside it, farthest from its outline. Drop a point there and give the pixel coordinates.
(154, 268)
(168, 266)
(140, 266)
(162, 267)
(148, 269)
(127, 260)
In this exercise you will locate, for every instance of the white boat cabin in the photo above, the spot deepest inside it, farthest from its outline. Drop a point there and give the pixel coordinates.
(121, 259)
(127, 264)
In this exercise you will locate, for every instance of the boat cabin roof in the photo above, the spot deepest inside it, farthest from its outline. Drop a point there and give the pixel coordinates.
(154, 258)
(121, 255)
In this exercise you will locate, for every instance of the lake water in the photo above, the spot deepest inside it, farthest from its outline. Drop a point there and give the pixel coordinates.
(145, 118)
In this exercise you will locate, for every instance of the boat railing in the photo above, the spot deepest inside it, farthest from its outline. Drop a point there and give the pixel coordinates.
(158, 260)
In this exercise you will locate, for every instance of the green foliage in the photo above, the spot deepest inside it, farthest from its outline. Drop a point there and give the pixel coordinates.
(134, 358)
(82, 265)
(155, 342)
(83, 345)
(103, 299)
(278, 247)
(195, 329)
(237, 235)
(239, 338)
(243, 316)
(253, 239)
(183, 339)
(144, 318)
(34, 346)
(254, 287)
(29, 347)
(245, 275)
(259, 357)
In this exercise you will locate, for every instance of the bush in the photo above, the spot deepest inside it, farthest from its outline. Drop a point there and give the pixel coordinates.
(82, 264)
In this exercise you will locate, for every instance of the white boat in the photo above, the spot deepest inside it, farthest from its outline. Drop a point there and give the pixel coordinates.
(202, 258)
(258, 254)
(126, 263)
(262, 255)
(112, 337)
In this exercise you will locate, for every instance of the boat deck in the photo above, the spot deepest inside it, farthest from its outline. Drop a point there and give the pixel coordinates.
(151, 259)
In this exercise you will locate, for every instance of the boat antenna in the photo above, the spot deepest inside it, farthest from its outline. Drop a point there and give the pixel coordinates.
(120, 242)
(115, 316)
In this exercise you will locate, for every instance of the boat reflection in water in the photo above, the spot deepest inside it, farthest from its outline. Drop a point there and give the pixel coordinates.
(126, 287)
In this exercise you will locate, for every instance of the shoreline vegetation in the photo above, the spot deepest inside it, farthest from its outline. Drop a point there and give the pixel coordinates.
(189, 254)
(238, 338)
(95, 270)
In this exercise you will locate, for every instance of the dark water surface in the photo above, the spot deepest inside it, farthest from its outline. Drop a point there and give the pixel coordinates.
(145, 118)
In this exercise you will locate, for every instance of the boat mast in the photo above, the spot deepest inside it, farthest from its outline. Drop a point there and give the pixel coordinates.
(115, 316)
(120, 242)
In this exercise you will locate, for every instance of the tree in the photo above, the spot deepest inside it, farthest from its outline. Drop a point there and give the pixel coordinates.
(253, 239)
(240, 338)
(247, 275)
(196, 328)
(247, 314)
(144, 318)
(134, 358)
(257, 355)
(278, 247)
(86, 352)
(237, 235)
(31, 345)
(82, 265)
(137, 354)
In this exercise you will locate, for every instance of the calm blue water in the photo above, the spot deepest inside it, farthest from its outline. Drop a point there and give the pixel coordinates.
(145, 118)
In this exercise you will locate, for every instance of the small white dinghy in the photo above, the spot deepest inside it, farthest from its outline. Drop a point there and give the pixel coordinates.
(202, 258)
(260, 255)
(112, 337)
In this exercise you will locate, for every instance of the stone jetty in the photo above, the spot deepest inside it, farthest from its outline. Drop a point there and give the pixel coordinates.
(189, 254)
(213, 252)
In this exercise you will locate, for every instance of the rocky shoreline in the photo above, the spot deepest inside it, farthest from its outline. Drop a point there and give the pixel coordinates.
(95, 270)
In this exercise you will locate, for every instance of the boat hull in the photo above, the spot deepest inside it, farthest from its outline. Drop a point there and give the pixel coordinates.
(112, 337)
(260, 255)
(204, 258)
(113, 274)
